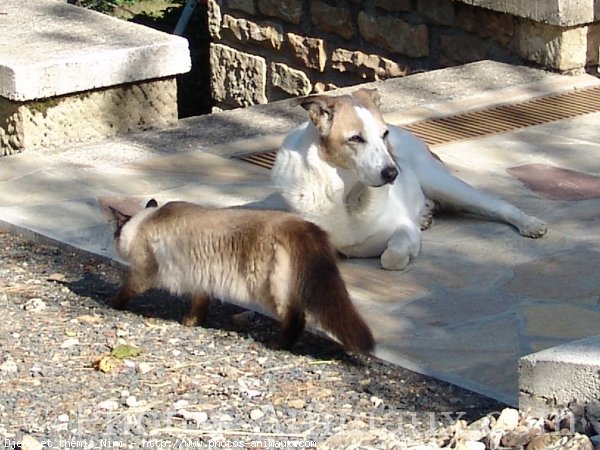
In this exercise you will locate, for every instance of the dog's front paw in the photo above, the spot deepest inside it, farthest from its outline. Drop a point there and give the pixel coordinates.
(426, 218)
(404, 245)
(533, 227)
(391, 260)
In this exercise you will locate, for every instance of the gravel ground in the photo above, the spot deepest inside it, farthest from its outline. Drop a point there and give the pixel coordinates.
(170, 386)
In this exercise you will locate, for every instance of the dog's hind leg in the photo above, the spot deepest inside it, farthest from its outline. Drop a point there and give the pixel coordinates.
(454, 193)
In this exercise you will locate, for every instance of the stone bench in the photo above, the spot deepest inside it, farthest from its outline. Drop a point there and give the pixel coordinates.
(69, 74)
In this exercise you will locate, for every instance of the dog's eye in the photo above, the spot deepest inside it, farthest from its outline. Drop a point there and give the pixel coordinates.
(386, 133)
(357, 139)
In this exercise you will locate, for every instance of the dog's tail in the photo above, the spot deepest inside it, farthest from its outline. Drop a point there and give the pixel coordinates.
(322, 291)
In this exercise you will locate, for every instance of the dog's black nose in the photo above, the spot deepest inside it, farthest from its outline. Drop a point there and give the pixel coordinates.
(389, 174)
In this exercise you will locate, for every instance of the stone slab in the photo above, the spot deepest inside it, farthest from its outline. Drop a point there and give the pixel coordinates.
(556, 183)
(557, 376)
(555, 12)
(49, 48)
(450, 313)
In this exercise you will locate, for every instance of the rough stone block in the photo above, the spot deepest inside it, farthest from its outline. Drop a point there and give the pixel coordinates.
(89, 115)
(593, 44)
(290, 10)
(238, 79)
(292, 81)
(333, 19)
(214, 19)
(552, 46)
(486, 23)
(461, 48)
(439, 11)
(369, 67)
(560, 375)
(394, 35)
(268, 35)
(308, 51)
(247, 6)
(394, 5)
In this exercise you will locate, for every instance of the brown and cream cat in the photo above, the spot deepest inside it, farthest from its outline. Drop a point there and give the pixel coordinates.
(272, 258)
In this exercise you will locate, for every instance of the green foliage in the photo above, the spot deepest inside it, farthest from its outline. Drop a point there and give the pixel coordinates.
(103, 5)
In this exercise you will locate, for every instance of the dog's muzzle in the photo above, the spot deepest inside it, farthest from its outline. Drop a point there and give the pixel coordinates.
(389, 174)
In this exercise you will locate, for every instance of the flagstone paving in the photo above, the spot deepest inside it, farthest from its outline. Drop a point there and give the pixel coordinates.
(479, 296)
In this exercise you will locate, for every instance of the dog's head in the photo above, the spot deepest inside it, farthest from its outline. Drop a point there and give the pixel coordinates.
(353, 135)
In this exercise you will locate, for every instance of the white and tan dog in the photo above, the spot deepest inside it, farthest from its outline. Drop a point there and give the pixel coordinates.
(372, 185)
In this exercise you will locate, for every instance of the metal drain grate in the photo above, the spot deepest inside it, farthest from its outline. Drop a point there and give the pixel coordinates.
(485, 122)
(264, 158)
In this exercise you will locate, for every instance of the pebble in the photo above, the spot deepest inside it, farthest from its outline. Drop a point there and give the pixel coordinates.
(256, 414)
(63, 418)
(34, 305)
(180, 404)
(28, 442)
(144, 368)
(377, 402)
(470, 445)
(108, 405)
(194, 416)
(253, 393)
(508, 420)
(71, 342)
(131, 401)
(58, 277)
(36, 371)
(9, 367)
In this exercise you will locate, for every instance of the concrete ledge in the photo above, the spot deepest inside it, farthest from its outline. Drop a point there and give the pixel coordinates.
(554, 12)
(559, 376)
(69, 74)
(50, 48)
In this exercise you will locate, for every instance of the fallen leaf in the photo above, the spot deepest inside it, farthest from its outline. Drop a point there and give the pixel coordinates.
(125, 351)
(87, 318)
(58, 277)
(296, 404)
(107, 364)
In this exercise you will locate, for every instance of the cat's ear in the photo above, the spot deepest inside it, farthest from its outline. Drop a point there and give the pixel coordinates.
(120, 220)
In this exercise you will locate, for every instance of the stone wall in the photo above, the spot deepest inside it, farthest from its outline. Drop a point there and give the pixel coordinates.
(86, 115)
(265, 50)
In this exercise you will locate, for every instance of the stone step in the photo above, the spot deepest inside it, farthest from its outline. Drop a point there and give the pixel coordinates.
(562, 376)
(61, 64)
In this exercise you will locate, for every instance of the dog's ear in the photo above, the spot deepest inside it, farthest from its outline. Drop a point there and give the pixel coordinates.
(320, 109)
(369, 95)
